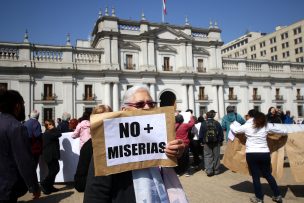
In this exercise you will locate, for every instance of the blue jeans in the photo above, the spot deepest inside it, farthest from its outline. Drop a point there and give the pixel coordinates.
(261, 162)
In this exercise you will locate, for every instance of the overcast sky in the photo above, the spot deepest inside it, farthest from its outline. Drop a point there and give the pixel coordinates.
(48, 22)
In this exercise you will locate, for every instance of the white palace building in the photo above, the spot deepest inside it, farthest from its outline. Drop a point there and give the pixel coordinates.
(182, 60)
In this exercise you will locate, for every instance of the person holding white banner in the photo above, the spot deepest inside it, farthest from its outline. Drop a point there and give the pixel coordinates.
(144, 185)
(258, 159)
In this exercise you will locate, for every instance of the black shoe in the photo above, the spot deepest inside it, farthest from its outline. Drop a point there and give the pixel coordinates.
(45, 190)
(210, 174)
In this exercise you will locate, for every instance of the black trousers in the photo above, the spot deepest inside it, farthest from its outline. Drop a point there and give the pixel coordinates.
(197, 150)
(261, 162)
(49, 180)
(183, 162)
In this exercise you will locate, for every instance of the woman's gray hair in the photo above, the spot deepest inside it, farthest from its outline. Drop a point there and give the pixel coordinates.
(66, 116)
(131, 91)
(34, 114)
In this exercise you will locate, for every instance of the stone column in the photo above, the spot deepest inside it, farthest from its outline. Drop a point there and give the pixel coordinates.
(185, 97)
(244, 100)
(289, 96)
(215, 99)
(151, 55)
(182, 59)
(67, 96)
(107, 94)
(212, 61)
(267, 96)
(189, 56)
(107, 50)
(221, 111)
(25, 91)
(191, 98)
(144, 53)
(114, 50)
(115, 97)
(152, 91)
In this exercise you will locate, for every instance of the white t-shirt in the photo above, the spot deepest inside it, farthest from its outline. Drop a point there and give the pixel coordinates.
(256, 138)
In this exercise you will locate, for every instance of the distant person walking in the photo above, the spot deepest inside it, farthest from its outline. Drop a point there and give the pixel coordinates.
(258, 153)
(63, 126)
(51, 155)
(229, 118)
(17, 165)
(35, 134)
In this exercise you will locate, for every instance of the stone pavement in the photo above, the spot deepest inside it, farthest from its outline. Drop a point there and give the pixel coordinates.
(227, 187)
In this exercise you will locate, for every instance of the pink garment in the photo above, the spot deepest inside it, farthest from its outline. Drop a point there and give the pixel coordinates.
(182, 130)
(83, 132)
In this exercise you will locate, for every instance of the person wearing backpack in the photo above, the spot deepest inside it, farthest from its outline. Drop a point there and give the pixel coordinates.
(211, 136)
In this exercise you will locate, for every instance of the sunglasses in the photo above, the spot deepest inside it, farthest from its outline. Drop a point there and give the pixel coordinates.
(142, 104)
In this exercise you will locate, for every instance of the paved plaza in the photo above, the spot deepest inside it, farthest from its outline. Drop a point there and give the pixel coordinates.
(228, 187)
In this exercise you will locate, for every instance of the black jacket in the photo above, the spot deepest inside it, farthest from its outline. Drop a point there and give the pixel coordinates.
(80, 177)
(51, 147)
(114, 188)
(17, 165)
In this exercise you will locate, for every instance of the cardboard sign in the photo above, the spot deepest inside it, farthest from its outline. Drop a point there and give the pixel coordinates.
(295, 152)
(235, 159)
(129, 140)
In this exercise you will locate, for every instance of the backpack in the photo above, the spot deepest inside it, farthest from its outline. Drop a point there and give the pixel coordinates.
(211, 133)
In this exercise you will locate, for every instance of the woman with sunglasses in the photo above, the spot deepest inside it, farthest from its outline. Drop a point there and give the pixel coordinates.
(144, 185)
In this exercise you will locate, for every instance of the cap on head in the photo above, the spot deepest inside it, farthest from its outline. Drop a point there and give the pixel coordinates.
(211, 114)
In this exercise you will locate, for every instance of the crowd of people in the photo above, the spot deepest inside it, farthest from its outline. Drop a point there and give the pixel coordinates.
(23, 142)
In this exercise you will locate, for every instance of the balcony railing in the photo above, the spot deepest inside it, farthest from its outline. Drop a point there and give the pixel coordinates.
(87, 97)
(202, 97)
(167, 68)
(201, 69)
(278, 97)
(130, 66)
(232, 97)
(299, 97)
(256, 97)
(50, 97)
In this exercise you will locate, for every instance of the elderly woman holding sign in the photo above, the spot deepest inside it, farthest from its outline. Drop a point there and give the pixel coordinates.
(143, 185)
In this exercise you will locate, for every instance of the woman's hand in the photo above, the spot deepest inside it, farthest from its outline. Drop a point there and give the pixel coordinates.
(175, 148)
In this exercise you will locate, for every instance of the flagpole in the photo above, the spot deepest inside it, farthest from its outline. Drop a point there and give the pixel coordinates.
(162, 10)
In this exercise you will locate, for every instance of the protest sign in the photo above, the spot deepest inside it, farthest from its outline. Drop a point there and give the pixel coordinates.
(129, 140)
(295, 152)
(235, 159)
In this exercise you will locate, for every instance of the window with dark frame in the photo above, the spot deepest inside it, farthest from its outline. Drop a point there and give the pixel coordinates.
(48, 114)
(166, 64)
(129, 62)
(48, 92)
(88, 92)
(3, 86)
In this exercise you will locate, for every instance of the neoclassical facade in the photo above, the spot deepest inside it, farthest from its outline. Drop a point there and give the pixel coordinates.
(184, 61)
